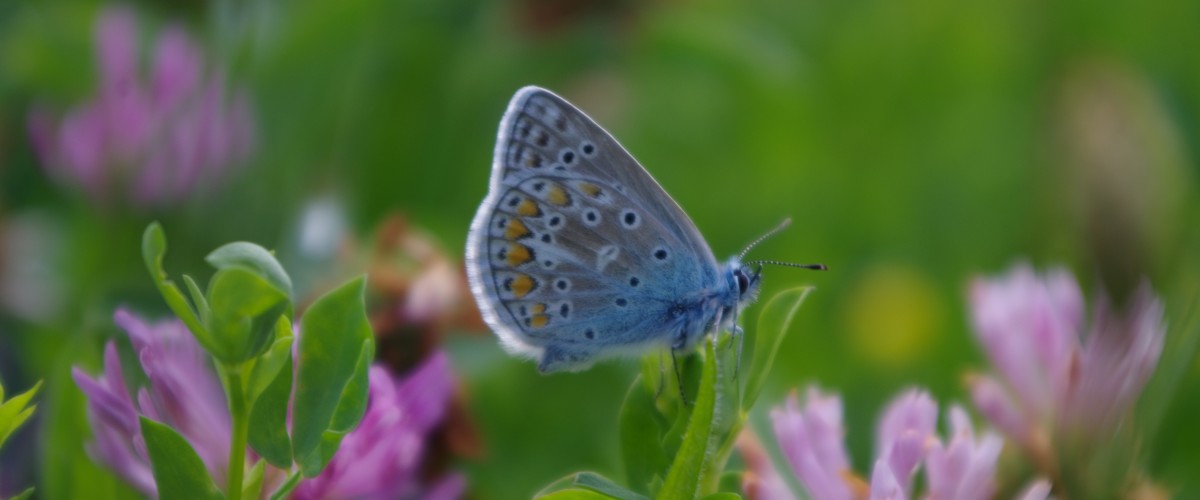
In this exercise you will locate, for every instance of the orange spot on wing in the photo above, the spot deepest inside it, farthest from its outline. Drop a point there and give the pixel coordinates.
(589, 189)
(516, 230)
(558, 196)
(522, 284)
(518, 254)
(539, 320)
(528, 208)
(538, 308)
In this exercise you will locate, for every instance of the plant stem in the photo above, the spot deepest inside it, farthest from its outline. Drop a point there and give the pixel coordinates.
(293, 479)
(240, 411)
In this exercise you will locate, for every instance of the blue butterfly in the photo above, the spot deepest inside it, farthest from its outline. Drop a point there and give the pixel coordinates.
(577, 254)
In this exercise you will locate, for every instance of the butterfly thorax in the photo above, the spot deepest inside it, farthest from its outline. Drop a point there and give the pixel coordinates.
(716, 309)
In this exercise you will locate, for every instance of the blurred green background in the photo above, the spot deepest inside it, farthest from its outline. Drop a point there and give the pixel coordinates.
(915, 143)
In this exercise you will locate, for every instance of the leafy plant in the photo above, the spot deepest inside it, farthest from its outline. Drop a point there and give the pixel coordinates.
(13, 413)
(672, 448)
(244, 320)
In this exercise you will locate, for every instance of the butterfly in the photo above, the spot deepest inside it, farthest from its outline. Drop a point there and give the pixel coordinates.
(577, 254)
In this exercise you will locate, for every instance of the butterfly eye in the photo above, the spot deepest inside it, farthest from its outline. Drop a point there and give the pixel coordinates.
(742, 280)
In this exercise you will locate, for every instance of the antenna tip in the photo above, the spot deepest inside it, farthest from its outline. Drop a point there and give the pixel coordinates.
(820, 267)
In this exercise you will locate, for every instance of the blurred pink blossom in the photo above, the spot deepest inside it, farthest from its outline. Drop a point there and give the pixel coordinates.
(1056, 374)
(151, 139)
(182, 391)
(381, 458)
(811, 436)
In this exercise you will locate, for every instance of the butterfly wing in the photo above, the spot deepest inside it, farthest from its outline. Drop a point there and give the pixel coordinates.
(577, 252)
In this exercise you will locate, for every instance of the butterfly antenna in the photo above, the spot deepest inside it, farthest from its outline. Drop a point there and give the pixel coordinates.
(782, 225)
(815, 267)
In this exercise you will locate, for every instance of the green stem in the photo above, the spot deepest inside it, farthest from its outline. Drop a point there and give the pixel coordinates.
(293, 479)
(239, 409)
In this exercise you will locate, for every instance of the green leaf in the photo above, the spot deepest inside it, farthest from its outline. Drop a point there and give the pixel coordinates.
(727, 416)
(244, 311)
(16, 411)
(641, 434)
(574, 494)
(732, 480)
(197, 296)
(288, 485)
(562, 483)
(351, 408)
(684, 478)
(336, 347)
(267, 434)
(252, 485)
(241, 254)
(601, 484)
(353, 405)
(178, 470)
(24, 495)
(238, 292)
(773, 324)
(690, 367)
(267, 366)
(154, 248)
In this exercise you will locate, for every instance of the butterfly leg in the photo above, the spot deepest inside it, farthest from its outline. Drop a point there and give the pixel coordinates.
(558, 358)
(679, 379)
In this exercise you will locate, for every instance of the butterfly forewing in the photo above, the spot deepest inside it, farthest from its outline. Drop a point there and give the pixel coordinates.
(577, 247)
(542, 133)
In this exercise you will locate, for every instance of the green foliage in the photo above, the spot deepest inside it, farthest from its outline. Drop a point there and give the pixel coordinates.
(15, 411)
(575, 494)
(24, 495)
(672, 448)
(641, 431)
(178, 470)
(591, 482)
(244, 321)
(255, 258)
(685, 478)
(331, 387)
(774, 322)
(244, 311)
(247, 296)
(269, 387)
(154, 249)
(253, 484)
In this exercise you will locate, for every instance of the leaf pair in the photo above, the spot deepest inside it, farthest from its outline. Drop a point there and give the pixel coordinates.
(246, 297)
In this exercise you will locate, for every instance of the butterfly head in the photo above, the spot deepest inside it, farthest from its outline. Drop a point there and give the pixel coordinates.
(744, 279)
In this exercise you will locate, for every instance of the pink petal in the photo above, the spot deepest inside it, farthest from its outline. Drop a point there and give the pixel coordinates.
(1118, 358)
(1038, 490)
(116, 46)
(884, 485)
(992, 400)
(175, 73)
